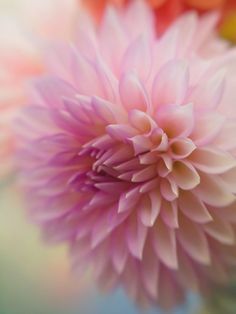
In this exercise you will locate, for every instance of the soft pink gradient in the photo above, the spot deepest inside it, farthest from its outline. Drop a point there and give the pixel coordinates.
(128, 154)
(21, 45)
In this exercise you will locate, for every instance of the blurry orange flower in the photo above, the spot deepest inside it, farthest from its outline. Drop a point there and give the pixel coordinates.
(228, 26)
(168, 10)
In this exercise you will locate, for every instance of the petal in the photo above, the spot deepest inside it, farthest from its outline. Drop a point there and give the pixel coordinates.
(52, 90)
(176, 121)
(193, 208)
(165, 49)
(164, 244)
(208, 93)
(225, 140)
(145, 174)
(103, 109)
(210, 160)
(137, 58)
(228, 213)
(167, 90)
(150, 273)
(213, 191)
(194, 241)
(169, 190)
(206, 128)
(149, 208)
(132, 93)
(181, 148)
(139, 11)
(85, 77)
(121, 131)
(128, 200)
(184, 175)
(229, 178)
(112, 35)
(136, 234)
(119, 250)
(169, 214)
(220, 230)
(141, 121)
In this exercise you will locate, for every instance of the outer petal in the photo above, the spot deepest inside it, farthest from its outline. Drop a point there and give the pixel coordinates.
(167, 89)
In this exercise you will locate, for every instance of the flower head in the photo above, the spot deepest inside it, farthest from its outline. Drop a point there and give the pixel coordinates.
(128, 156)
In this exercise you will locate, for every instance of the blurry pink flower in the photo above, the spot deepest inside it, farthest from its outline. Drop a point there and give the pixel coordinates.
(128, 154)
(19, 60)
(21, 57)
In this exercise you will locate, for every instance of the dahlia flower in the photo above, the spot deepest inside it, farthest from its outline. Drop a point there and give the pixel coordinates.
(21, 59)
(127, 154)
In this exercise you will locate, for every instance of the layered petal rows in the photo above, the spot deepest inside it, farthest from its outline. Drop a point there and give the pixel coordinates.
(127, 154)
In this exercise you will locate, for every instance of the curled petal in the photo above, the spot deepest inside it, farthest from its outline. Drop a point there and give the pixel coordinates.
(185, 175)
(181, 148)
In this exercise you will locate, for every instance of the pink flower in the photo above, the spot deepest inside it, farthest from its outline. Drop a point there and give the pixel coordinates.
(128, 154)
(21, 58)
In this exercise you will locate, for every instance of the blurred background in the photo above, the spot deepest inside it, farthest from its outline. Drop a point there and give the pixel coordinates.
(36, 278)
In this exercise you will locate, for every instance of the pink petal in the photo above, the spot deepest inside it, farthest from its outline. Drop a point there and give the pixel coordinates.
(149, 208)
(128, 200)
(207, 127)
(193, 207)
(185, 176)
(119, 253)
(181, 148)
(167, 90)
(145, 174)
(141, 121)
(132, 93)
(150, 273)
(229, 178)
(85, 77)
(220, 230)
(169, 214)
(168, 189)
(176, 121)
(112, 35)
(48, 88)
(164, 244)
(137, 58)
(194, 241)
(225, 140)
(121, 131)
(210, 160)
(208, 93)
(213, 191)
(136, 237)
